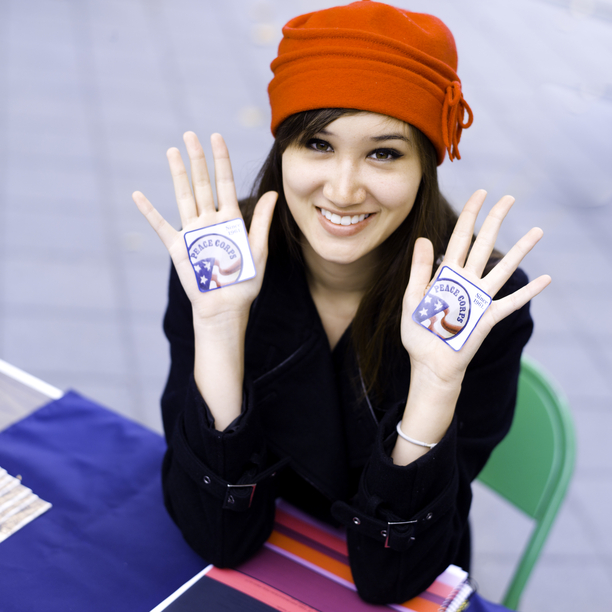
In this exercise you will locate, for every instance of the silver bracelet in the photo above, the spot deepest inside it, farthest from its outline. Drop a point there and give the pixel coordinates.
(409, 439)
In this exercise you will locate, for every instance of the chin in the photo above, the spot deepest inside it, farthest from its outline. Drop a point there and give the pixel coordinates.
(339, 256)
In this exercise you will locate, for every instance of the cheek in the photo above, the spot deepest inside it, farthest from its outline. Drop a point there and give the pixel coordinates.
(398, 198)
(298, 179)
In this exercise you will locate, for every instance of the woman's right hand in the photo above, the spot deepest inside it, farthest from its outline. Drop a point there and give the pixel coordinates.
(219, 317)
(197, 210)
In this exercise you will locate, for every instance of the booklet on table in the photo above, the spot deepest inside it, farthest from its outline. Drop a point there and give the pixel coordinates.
(303, 567)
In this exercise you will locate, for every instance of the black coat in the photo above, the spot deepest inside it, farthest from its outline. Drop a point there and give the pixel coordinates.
(308, 434)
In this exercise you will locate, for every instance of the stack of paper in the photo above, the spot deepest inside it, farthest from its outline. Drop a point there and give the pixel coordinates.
(18, 505)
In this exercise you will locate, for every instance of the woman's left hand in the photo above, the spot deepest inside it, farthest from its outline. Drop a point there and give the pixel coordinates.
(427, 352)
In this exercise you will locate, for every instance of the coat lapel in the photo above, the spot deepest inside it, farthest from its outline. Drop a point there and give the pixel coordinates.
(288, 357)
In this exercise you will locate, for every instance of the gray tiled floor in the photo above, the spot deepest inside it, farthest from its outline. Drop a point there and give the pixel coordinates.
(93, 92)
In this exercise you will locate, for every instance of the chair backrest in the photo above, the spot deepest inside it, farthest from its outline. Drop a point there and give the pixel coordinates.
(532, 467)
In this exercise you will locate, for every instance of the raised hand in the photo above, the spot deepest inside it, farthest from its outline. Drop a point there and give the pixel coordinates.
(436, 369)
(197, 209)
(219, 317)
(425, 349)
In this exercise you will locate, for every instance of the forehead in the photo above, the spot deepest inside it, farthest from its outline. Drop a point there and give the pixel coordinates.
(365, 124)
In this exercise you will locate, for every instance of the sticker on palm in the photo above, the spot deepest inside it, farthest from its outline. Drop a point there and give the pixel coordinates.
(451, 308)
(220, 255)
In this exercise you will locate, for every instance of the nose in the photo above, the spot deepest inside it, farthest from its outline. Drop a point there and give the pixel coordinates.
(344, 186)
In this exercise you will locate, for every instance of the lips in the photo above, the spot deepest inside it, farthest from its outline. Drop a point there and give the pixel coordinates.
(345, 219)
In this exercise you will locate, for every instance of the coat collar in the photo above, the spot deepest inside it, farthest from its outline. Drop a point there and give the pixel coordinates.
(308, 411)
(290, 364)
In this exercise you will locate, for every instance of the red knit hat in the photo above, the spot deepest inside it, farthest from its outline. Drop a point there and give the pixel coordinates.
(373, 57)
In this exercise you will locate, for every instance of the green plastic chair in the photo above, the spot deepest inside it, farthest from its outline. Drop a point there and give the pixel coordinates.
(532, 467)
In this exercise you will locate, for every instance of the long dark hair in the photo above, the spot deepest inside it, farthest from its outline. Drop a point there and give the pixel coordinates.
(376, 326)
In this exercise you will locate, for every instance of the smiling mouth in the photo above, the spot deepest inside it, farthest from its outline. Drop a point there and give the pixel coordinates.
(344, 220)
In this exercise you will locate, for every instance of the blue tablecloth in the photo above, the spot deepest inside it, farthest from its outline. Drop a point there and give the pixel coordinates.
(107, 544)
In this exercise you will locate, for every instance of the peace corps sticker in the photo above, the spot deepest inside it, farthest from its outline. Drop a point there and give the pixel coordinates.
(451, 308)
(220, 255)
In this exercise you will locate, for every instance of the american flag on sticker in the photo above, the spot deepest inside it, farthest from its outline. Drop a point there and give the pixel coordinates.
(435, 314)
(431, 309)
(204, 272)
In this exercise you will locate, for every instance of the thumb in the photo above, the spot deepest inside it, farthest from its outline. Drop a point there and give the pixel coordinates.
(260, 226)
(420, 272)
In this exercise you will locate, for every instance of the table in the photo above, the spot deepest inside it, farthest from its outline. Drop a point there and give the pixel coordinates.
(107, 543)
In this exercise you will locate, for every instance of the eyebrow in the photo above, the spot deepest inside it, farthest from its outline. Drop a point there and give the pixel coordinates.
(384, 137)
(381, 138)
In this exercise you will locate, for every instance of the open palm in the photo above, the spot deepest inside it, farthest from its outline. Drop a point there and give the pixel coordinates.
(197, 210)
(425, 349)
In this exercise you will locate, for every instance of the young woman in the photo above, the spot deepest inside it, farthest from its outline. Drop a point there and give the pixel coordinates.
(312, 381)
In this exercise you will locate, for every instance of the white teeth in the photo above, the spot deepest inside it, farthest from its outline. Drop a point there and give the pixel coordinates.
(346, 220)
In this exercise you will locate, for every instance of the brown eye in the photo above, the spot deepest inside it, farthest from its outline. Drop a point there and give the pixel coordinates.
(319, 145)
(385, 154)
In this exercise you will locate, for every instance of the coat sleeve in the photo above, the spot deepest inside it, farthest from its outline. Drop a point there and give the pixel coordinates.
(209, 477)
(408, 523)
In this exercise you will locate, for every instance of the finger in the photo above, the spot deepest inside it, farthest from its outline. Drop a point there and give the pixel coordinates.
(202, 189)
(182, 188)
(487, 236)
(500, 309)
(461, 238)
(498, 276)
(260, 226)
(420, 272)
(224, 179)
(163, 229)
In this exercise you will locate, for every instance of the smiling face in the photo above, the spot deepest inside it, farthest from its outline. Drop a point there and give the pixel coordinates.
(351, 185)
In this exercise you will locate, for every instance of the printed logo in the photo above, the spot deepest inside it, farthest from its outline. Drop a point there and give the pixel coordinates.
(451, 306)
(220, 254)
(216, 260)
(445, 309)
